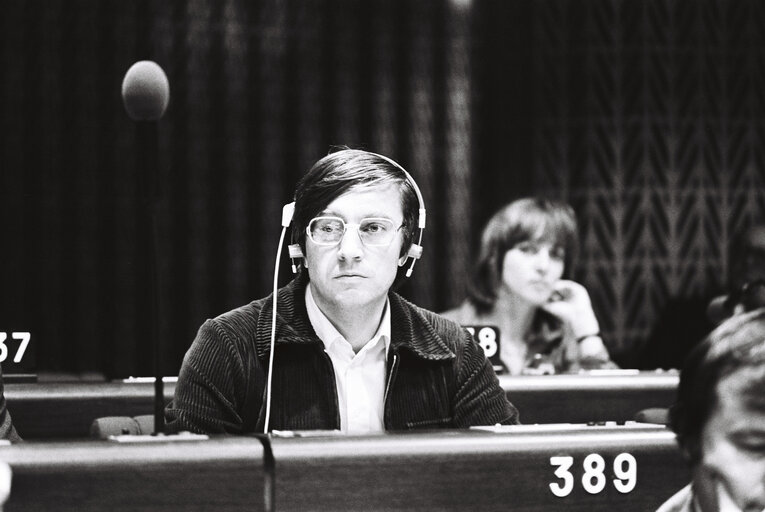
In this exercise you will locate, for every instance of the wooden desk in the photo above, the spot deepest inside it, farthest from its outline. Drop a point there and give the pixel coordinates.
(461, 471)
(82, 476)
(431, 471)
(66, 410)
(588, 398)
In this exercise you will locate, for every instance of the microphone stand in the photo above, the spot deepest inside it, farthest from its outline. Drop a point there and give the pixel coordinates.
(145, 94)
(149, 192)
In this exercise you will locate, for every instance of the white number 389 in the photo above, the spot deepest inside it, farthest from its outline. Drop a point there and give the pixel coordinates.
(594, 479)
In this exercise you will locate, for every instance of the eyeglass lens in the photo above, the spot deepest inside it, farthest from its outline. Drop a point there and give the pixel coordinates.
(330, 230)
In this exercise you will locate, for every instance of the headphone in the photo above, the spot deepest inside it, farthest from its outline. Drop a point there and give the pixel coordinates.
(295, 252)
(415, 250)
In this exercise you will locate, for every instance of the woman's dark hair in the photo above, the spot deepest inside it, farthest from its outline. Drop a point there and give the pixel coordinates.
(738, 344)
(536, 219)
(341, 171)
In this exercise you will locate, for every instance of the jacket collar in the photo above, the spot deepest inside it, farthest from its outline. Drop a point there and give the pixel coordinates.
(409, 329)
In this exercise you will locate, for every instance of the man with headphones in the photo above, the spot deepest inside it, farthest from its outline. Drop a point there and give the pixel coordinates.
(345, 353)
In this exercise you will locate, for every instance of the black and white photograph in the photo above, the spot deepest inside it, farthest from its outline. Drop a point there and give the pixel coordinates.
(382, 255)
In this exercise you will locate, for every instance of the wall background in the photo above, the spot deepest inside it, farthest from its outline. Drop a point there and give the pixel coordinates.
(648, 116)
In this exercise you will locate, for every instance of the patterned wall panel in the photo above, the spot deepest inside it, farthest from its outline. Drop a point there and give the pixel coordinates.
(658, 106)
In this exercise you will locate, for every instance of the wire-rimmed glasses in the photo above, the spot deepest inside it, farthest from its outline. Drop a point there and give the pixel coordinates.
(373, 231)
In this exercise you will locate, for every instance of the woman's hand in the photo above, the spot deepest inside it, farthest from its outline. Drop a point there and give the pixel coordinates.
(571, 303)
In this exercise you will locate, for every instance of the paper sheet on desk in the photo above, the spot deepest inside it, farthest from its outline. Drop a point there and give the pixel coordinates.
(552, 427)
(150, 438)
(307, 433)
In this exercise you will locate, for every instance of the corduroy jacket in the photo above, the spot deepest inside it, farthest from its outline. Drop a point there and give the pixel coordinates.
(437, 376)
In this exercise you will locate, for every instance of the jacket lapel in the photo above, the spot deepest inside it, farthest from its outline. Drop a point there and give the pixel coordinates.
(410, 330)
(292, 324)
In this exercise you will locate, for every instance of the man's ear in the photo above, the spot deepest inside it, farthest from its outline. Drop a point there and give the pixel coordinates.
(402, 260)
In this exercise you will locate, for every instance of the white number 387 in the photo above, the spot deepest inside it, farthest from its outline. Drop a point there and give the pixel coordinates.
(24, 337)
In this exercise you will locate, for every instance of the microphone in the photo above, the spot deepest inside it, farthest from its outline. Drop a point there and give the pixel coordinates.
(145, 91)
(145, 95)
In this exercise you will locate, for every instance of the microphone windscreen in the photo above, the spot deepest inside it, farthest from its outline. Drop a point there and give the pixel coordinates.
(145, 91)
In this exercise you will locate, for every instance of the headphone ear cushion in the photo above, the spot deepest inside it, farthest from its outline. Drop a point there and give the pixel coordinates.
(295, 251)
(415, 251)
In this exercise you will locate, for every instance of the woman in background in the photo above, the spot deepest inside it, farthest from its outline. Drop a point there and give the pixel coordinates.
(546, 323)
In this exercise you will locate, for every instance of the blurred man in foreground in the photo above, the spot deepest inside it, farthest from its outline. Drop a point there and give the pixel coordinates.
(719, 419)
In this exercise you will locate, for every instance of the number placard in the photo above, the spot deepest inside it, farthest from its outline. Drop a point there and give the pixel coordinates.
(487, 336)
(594, 478)
(16, 352)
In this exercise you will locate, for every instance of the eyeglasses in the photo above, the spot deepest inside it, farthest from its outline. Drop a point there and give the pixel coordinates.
(373, 231)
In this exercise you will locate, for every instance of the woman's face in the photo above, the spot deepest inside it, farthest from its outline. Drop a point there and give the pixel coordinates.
(530, 270)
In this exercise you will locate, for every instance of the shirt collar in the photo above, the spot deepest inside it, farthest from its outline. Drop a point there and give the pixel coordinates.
(327, 332)
(413, 328)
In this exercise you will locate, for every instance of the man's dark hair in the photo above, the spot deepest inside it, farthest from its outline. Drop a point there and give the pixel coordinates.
(528, 219)
(736, 345)
(344, 170)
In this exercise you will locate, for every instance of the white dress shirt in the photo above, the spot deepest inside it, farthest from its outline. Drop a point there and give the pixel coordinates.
(359, 377)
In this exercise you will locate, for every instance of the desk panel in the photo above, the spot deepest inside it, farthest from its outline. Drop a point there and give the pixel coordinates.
(66, 410)
(460, 471)
(430, 471)
(585, 398)
(221, 474)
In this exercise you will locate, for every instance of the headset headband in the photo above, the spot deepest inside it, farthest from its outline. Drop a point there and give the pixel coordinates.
(415, 250)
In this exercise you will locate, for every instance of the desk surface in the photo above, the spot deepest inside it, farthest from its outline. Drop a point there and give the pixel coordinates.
(517, 469)
(66, 410)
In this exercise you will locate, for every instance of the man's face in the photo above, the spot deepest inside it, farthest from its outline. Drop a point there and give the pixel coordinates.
(733, 445)
(350, 273)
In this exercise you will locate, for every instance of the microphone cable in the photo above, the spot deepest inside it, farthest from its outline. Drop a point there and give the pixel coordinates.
(287, 212)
